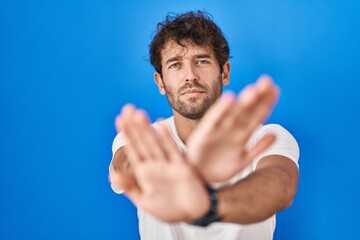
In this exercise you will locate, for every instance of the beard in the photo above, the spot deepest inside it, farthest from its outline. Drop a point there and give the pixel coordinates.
(194, 107)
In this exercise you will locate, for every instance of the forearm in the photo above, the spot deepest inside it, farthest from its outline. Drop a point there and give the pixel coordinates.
(260, 195)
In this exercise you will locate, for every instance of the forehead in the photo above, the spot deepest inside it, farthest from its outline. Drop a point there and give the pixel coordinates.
(172, 49)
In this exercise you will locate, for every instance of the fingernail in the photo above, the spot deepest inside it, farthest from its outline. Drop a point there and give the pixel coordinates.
(265, 79)
(127, 107)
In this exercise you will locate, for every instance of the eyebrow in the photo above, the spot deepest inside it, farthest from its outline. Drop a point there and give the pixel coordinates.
(203, 55)
(173, 59)
(177, 58)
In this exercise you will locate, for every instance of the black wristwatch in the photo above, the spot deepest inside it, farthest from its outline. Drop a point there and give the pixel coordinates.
(211, 216)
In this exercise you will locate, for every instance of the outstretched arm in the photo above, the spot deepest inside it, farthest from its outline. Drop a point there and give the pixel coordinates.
(266, 191)
(219, 149)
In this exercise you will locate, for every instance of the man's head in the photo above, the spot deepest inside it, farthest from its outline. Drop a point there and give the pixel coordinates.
(194, 27)
(190, 56)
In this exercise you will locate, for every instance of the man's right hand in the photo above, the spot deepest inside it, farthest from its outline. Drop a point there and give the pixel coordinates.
(218, 146)
(168, 187)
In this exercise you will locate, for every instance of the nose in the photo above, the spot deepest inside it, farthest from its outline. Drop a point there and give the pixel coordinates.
(190, 73)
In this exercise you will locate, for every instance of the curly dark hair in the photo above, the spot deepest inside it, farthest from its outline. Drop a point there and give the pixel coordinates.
(196, 27)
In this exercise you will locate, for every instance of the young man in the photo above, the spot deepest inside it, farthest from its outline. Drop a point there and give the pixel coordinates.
(212, 171)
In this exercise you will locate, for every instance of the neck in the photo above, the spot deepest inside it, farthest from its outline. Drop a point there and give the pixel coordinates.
(184, 126)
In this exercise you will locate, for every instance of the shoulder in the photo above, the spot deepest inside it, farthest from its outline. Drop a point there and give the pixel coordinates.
(272, 128)
(284, 145)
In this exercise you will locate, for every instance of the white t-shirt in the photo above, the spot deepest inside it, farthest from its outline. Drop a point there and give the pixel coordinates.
(153, 229)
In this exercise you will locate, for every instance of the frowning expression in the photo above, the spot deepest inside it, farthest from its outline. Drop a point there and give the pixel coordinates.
(191, 78)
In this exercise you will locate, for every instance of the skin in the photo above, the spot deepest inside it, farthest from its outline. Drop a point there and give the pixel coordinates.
(191, 80)
(156, 176)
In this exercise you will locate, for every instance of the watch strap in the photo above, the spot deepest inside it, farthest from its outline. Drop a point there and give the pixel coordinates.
(211, 216)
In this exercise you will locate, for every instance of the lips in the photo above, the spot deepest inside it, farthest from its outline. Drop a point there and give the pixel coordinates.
(192, 90)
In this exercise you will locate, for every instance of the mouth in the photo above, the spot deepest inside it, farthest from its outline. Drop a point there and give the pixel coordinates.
(192, 91)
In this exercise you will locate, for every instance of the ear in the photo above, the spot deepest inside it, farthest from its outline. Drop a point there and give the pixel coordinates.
(225, 75)
(159, 82)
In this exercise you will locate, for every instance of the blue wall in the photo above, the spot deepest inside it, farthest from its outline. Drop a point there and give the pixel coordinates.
(67, 67)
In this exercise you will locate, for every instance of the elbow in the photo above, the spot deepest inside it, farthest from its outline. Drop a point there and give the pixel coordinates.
(288, 202)
(290, 184)
(289, 195)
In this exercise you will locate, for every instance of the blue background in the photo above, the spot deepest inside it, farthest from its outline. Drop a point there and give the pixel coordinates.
(67, 67)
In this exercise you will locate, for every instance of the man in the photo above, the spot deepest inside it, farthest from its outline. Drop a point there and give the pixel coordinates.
(212, 171)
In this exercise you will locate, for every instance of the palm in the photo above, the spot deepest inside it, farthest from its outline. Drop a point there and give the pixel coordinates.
(218, 147)
(169, 190)
(167, 185)
(216, 155)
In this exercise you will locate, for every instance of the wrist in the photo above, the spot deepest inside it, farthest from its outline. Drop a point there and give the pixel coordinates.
(212, 214)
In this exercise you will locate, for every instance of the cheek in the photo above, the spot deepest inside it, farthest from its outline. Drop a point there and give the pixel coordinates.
(169, 90)
(171, 84)
(208, 73)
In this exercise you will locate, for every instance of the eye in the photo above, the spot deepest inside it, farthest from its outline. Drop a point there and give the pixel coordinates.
(175, 65)
(202, 61)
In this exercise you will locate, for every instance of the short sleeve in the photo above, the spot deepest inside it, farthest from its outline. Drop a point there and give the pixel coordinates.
(118, 142)
(284, 145)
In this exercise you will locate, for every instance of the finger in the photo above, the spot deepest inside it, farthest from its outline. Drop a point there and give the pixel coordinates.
(148, 140)
(133, 130)
(258, 94)
(247, 99)
(264, 143)
(132, 153)
(120, 182)
(134, 194)
(254, 106)
(172, 150)
(217, 112)
(221, 107)
(270, 93)
(141, 136)
(247, 157)
(131, 149)
(234, 124)
(119, 120)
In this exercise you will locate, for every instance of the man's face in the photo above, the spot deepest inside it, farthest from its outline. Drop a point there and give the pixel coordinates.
(191, 78)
